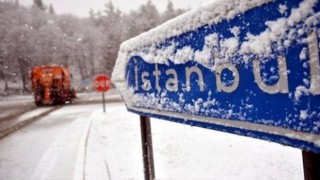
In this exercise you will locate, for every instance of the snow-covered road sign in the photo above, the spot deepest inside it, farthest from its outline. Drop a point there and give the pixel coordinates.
(249, 67)
(102, 83)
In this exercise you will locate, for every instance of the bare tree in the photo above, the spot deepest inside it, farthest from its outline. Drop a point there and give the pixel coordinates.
(39, 4)
(31, 36)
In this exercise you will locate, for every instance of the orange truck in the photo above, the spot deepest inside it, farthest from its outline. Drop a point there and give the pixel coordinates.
(51, 85)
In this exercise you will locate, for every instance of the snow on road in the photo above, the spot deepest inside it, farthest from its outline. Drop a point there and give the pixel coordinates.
(46, 149)
(82, 142)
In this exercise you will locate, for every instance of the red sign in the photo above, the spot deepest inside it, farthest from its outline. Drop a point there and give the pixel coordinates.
(102, 83)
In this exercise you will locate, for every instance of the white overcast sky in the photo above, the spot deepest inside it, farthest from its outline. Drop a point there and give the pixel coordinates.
(82, 7)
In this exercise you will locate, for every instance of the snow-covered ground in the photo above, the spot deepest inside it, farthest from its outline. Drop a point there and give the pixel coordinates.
(54, 148)
(94, 96)
(14, 99)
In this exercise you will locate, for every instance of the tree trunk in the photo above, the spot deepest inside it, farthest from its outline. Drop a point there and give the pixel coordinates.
(23, 67)
(6, 87)
(24, 83)
(2, 76)
(93, 72)
(81, 68)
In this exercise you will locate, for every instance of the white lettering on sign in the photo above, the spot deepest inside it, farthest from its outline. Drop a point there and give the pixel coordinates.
(220, 86)
(103, 84)
(146, 82)
(314, 63)
(157, 73)
(189, 71)
(281, 86)
(172, 83)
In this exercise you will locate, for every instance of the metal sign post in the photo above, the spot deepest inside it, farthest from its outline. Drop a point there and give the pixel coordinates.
(103, 103)
(311, 165)
(147, 150)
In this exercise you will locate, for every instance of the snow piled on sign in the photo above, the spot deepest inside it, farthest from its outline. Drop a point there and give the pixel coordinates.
(280, 32)
(158, 46)
(210, 13)
(145, 44)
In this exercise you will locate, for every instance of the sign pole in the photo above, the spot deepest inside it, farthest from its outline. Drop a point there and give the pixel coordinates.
(311, 165)
(103, 103)
(147, 151)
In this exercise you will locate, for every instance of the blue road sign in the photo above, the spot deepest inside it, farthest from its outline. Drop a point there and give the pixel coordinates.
(245, 67)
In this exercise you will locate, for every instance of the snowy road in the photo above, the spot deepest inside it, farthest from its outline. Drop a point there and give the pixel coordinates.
(46, 149)
(82, 142)
(58, 147)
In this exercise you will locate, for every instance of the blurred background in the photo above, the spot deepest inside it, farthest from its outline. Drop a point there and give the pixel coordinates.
(87, 41)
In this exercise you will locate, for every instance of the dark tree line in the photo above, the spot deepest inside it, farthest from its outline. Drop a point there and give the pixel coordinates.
(36, 36)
